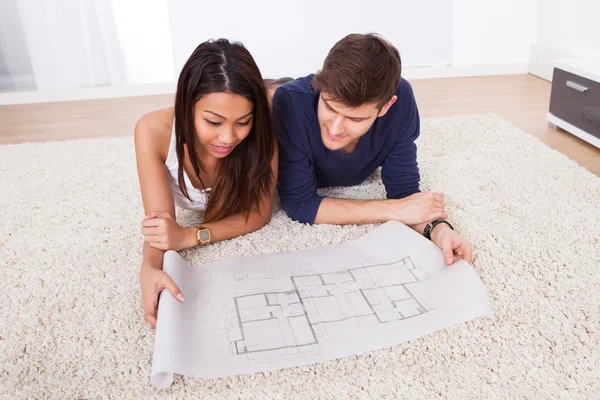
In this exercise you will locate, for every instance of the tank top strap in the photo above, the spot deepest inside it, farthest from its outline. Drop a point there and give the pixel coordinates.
(171, 161)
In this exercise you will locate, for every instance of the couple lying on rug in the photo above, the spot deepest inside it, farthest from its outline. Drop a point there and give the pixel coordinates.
(225, 149)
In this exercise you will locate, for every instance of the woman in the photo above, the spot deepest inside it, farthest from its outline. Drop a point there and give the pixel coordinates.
(214, 151)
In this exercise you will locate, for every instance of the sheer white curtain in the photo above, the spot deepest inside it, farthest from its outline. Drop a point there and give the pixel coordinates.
(15, 65)
(69, 44)
(144, 31)
(65, 44)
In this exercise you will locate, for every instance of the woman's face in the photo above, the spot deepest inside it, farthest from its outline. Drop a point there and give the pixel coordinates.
(222, 121)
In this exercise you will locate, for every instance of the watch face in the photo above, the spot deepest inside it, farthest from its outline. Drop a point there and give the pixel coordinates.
(204, 235)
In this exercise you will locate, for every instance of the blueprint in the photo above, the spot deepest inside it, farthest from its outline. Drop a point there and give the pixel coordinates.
(282, 310)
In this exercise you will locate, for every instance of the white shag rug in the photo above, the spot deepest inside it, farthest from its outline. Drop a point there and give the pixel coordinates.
(70, 249)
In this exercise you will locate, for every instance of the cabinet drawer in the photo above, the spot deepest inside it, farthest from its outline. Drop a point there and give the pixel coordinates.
(576, 100)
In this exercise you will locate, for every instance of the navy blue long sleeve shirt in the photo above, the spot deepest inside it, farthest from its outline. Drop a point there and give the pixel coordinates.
(305, 164)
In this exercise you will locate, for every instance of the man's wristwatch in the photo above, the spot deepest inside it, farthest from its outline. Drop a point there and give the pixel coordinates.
(203, 235)
(429, 227)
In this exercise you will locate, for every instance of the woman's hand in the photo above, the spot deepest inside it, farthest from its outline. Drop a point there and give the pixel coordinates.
(162, 232)
(152, 281)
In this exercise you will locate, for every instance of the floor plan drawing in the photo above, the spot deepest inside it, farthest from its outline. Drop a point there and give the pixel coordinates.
(292, 322)
(263, 312)
(238, 273)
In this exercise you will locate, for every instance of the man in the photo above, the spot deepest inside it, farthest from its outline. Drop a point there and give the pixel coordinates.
(337, 127)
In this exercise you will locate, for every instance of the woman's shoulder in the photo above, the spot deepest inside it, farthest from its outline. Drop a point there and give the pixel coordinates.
(153, 132)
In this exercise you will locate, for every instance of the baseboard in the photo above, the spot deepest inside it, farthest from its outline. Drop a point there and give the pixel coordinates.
(16, 82)
(463, 71)
(90, 93)
(106, 92)
(542, 57)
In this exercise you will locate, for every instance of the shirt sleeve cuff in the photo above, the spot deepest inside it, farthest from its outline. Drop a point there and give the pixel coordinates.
(312, 208)
(400, 195)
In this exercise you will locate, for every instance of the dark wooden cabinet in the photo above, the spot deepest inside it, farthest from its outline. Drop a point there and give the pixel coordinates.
(575, 101)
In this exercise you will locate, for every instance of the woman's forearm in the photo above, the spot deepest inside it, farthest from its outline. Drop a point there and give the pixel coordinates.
(229, 227)
(152, 257)
(236, 225)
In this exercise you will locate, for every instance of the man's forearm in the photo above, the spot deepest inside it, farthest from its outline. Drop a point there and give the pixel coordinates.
(356, 212)
(353, 212)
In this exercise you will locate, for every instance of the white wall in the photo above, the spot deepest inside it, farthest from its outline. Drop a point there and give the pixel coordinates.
(494, 32)
(292, 39)
(155, 37)
(566, 28)
(570, 25)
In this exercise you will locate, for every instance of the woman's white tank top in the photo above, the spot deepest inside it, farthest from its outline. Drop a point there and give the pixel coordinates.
(199, 197)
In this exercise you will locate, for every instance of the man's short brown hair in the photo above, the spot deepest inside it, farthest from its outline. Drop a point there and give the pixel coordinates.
(360, 69)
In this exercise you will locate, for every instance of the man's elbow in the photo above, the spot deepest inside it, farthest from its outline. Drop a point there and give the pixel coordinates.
(296, 213)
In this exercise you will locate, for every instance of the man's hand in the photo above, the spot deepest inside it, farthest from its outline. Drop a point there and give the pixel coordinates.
(452, 244)
(162, 232)
(419, 208)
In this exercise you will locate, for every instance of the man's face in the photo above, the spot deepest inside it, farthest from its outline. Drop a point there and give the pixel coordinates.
(343, 126)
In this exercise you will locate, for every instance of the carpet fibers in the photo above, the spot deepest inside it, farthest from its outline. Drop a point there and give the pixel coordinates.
(70, 249)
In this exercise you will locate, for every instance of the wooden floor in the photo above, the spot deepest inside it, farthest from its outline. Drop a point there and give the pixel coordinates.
(522, 100)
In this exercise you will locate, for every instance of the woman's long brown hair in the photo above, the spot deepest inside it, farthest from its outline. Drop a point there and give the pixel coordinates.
(245, 175)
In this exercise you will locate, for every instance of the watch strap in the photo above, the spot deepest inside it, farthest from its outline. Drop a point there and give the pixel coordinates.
(429, 227)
